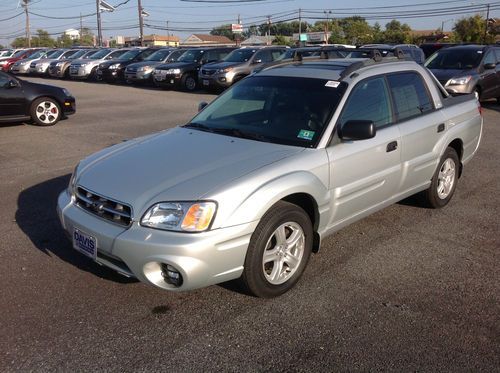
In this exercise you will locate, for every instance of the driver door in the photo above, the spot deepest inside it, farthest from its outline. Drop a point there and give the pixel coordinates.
(11, 98)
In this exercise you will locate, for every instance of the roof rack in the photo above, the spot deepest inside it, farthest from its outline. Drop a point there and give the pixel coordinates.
(374, 57)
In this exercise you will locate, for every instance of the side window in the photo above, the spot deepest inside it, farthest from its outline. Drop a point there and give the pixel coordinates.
(264, 56)
(497, 52)
(276, 53)
(369, 100)
(410, 95)
(489, 58)
(4, 80)
(222, 53)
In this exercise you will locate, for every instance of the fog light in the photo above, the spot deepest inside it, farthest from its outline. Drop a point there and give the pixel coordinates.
(171, 275)
(222, 79)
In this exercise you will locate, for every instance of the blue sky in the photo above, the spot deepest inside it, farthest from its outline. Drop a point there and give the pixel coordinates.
(187, 17)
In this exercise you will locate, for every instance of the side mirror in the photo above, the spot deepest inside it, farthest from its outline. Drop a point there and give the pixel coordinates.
(12, 84)
(202, 106)
(354, 130)
(489, 66)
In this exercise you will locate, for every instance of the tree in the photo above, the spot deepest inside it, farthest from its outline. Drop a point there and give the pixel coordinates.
(1, 46)
(356, 30)
(282, 40)
(397, 33)
(471, 30)
(19, 43)
(42, 39)
(86, 38)
(223, 30)
(64, 41)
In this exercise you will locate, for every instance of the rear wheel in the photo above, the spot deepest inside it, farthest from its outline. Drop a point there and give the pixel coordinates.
(45, 111)
(444, 181)
(279, 251)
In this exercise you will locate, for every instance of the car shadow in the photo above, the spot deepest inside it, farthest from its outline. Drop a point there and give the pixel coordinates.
(491, 105)
(37, 217)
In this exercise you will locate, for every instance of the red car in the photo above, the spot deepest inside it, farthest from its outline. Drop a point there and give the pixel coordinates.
(6, 63)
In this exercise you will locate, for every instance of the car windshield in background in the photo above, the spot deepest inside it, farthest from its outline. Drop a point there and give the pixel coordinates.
(100, 54)
(281, 110)
(39, 54)
(116, 54)
(190, 56)
(18, 53)
(79, 54)
(304, 52)
(130, 55)
(458, 59)
(239, 55)
(57, 54)
(88, 55)
(159, 55)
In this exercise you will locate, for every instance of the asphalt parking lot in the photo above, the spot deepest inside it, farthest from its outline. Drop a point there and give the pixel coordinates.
(407, 289)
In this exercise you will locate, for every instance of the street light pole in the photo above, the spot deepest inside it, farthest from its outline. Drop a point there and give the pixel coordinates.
(99, 27)
(326, 25)
(486, 25)
(141, 23)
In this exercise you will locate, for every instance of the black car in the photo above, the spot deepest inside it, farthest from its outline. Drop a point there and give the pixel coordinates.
(21, 100)
(184, 73)
(114, 70)
(410, 50)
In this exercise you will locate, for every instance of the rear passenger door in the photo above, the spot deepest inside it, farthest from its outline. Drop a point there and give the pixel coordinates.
(421, 126)
(365, 174)
(489, 77)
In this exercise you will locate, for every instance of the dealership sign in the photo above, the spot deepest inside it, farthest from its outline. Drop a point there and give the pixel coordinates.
(237, 28)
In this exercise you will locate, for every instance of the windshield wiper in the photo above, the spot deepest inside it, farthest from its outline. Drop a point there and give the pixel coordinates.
(241, 134)
(198, 126)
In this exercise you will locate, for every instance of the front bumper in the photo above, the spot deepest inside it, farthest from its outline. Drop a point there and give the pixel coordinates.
(110, 75)
(79, 72)
(138, 76)
(162, 79)
(69, 106)
(218, 80)
(202, 259)
(20, 69)
(56, 71)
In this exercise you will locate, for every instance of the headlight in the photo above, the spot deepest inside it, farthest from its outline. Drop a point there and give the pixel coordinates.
(66, 92)
(226, 70)
(174, 71)
(59, 63)
(180, 216)
(2, 63)
(114, 66)
(145, 68)
(72, 182)
(459, 81)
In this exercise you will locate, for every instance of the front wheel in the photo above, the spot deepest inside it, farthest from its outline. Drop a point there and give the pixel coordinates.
(188, 83)
(444, 181)
(279, 251)
(45, 111)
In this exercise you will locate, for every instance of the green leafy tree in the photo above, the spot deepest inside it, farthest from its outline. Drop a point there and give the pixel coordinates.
(397, 33)
(42, 39)
(472, 30)
(356, 30)
(282, 40)
(86, 37)
(337, 35)
(64, 41)
(19, 42)
(223, 30)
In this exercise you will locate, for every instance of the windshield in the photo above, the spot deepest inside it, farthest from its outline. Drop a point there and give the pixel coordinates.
(130, 55)
(304, 52)
(89, 54)
(39, 54)
(100, 54)
(69, 53)
(281, 110)
(116, 54)
(57, 53)
(159, 55)
(240, 55)
(19, 53)
(191, 55)
(455, 59)
(79, 54)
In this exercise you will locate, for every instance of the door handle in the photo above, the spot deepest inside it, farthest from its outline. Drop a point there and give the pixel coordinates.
(441, 127)
(393, 145)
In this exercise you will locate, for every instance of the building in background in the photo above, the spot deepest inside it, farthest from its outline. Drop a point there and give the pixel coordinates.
(199, 40)
(72, 33)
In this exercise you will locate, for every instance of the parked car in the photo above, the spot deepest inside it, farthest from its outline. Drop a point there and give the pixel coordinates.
(42, 66)
(4, 53)
(6, 63)
(21, 100)
(467, 69)
(252, 184)
(410, 51)
(23, 66)
(183, 74)
(114, 71)
(140, 72)
(236, 65)
(430, 48)
(60, 68)
(86, 68)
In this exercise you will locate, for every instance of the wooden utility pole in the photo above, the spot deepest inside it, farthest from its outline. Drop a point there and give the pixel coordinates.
(486, 25)
(81, 28)
(268, 30)
(99, 27)
(141, 23)
(28, 33)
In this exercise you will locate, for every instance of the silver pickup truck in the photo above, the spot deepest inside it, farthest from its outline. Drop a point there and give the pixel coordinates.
(252, 184)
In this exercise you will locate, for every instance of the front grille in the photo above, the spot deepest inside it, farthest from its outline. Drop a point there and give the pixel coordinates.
(131, 69)
(208, 72)
(105, 208)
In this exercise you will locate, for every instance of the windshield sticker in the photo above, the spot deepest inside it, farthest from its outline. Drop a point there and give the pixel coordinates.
(332, 84)
(306, 135)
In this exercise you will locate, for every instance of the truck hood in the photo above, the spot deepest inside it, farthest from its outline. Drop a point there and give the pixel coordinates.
(446, 74)
(178, 65)
(177, 165)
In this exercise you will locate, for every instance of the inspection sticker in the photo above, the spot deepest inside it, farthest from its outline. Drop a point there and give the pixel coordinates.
(306, 135)
(332, 84)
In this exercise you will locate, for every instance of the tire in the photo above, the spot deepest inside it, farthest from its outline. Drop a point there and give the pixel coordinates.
(93, 75)
(45, 111)
(444, 181)
(272, 268)
(188, 83)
